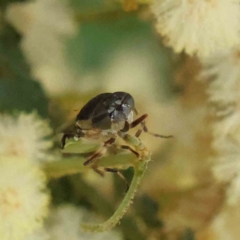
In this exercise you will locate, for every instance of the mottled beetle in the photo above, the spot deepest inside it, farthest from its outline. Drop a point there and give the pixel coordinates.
(104, 118)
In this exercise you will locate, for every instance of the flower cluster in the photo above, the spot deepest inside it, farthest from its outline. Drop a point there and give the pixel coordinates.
(25, 136)
(24, 198)
(224, 96)
(199, 27)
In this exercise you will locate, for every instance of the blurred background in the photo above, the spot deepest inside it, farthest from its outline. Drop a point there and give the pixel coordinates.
(55, 55)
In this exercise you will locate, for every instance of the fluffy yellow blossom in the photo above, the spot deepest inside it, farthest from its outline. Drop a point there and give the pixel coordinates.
(64, 223)
(24, 136)
(23, 198)
(199, 27)
(224, 68)
(224, 95)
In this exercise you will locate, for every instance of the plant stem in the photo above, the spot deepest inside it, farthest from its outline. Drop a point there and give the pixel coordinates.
(75, 165)
(140, 169)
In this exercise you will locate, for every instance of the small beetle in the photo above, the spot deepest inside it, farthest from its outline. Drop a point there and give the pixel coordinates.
(105, 117)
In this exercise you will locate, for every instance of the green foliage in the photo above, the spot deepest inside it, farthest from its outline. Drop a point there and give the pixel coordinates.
(18, 90)
(148, 209)
(97, 41)
(85, 5)
(188, 235)
(22, 95)
(4, 3)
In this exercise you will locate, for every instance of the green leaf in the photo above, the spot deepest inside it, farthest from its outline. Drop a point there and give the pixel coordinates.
(80, 146)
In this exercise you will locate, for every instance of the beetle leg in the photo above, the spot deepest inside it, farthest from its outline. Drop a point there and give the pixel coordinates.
(127, 126)
(101, 173)
(93, 158)
(138, 121)
(154, 134)
(144, 128)
(99, 153)
(64, 137)
(138, 133)
(129, 148)
(63, 140)
(141, 121)
(113, 170)
(109, 142)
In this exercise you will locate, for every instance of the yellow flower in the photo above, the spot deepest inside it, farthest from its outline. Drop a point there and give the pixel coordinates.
(198, 27)
(224, 95)
(24, 136)
(223, 67)
(23, 198)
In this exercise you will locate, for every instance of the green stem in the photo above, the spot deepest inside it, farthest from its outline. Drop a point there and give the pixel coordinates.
(140, 169)
(75, 165)
(121, 160)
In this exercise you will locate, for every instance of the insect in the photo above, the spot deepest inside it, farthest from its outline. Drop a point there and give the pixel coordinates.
(104, 118)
